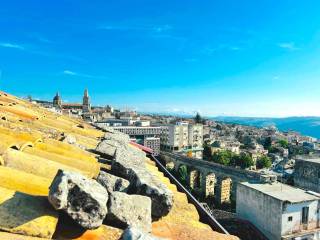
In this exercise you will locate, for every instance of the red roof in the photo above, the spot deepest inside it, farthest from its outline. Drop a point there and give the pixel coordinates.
(143, 148)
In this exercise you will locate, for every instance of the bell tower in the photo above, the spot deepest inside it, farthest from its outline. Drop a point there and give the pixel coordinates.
(86, 106)
(57, 102)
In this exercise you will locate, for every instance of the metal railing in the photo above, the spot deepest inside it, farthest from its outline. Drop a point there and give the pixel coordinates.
(204, 214)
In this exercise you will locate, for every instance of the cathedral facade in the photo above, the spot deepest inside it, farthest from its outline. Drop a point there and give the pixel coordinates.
(84, 109)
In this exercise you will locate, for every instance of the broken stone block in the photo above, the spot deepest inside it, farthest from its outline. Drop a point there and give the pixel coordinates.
(126, 159)
(142, 182)
(113, 183)
(150, 185)
(107, 147)
(83, 199)
(118, 136)
(105, 128)
(132, 233)
(129, 210)
(25, 214)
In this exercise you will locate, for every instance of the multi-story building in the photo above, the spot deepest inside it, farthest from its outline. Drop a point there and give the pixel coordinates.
(183, 137)
(146, 136)
(307, 173)
(195, 135)
(175, 137)
(280, 211)
(195, 138)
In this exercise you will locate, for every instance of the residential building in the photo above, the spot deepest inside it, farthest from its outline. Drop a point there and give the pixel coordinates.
(280, 211)
(175, 137)
(195, 135)
(183, 137)
(307, 172)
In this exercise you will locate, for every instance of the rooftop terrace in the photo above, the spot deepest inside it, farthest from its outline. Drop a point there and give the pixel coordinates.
(283, 192)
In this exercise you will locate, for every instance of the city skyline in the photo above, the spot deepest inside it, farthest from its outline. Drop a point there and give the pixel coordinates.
(239, 59)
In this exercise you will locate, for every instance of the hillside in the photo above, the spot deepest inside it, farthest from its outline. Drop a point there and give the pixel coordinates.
(309, 126)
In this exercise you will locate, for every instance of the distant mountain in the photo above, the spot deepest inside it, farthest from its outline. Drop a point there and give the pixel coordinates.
(309, 126)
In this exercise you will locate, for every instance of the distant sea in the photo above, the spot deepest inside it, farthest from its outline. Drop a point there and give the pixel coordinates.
(309, 126)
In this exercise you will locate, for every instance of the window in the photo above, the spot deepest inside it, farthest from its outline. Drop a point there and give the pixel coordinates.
(305, 215)
(290, 219)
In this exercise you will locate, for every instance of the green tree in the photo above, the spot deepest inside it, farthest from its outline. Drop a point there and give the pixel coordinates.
(223, 157)
(183, 174)
(283, 143)
(264, 162)
(198, 118)
(267, 143)
(244, 160)
(207, 153)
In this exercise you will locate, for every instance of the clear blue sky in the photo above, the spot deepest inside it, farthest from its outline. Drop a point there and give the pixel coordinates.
(246, 58)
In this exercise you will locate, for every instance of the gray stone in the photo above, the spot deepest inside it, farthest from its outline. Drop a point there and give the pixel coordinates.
(132, 233)
(113, 183)
(129, 210)
(83, 199)
(144, 183)
(118, 136)
(107, 147)
(104, 127)
(127, 156)
(70, 139)
(150, 185)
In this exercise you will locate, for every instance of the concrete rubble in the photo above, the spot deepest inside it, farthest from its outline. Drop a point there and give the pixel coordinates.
(113, 183)
(84, 200)
(130, 210)
(144, 183)
(107, 148)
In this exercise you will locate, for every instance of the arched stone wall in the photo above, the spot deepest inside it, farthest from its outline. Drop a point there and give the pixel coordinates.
(209, 180)
(194, 179)
(223, 190)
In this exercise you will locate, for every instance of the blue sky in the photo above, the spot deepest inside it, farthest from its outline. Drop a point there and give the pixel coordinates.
(244, 58)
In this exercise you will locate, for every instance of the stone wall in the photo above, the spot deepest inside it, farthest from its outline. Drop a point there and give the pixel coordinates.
(307, 174)
(206, 168)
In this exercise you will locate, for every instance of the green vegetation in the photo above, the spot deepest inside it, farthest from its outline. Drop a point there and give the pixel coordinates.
(183, 174)
(244, 161)
(228, 158)
(273, 150)
(198, 119)
(267, 143)
(283, 143)
(264, 162)
(207, 153)
(224, 157)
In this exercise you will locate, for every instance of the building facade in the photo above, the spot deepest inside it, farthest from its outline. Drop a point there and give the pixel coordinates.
(183, 137)
(280, 211)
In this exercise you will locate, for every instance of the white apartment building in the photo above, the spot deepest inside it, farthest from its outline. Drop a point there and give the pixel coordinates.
(195, 134)
(280, 211)
(175, 137)
(183, 137)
